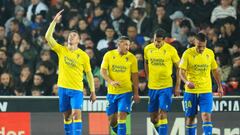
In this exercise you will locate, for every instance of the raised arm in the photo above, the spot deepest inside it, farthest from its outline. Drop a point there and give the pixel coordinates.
(49, 34)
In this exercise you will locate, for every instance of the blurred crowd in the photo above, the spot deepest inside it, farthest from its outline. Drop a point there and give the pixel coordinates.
(29, 67)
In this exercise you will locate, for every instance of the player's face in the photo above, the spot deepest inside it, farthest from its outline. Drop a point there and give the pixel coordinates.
(123, 46)
(200, 45)
(73, 38)
(158, 41)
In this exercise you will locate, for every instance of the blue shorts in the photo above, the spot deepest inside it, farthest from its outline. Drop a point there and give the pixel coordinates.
(160, 99)
(69, 99)
(119, 103)
(191, 102)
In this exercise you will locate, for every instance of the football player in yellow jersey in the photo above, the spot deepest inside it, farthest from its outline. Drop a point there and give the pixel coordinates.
(72, 63)
(196, 66)
(119, 69)
(159, 60)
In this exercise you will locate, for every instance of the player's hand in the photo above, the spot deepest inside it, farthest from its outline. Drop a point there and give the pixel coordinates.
(136, 98)
(93, 97)
(58, 16)
(115, 83)
(220, 92)
(190, 85)
(177, 91)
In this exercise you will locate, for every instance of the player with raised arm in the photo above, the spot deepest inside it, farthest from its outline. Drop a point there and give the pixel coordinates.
(72, 63)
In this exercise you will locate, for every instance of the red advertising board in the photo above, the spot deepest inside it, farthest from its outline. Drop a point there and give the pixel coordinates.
(15, 123)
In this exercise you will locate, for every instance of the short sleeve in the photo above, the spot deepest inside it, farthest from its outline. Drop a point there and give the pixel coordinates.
(175, 57)
(105, 61)
(145, 53)
(134, 66)
(184, 61)
(214, 64)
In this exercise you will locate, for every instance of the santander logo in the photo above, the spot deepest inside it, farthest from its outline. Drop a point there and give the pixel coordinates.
(15, 123)
(11, 132)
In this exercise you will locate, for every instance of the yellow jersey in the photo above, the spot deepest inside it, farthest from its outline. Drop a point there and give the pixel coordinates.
(120, 68)
(198, 68)
(71, 66)
(160, 64)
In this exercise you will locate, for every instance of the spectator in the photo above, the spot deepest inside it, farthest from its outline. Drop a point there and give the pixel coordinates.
(139, 17)
(177, 17)
(95, 63)
(100, 89)
(38, 81)
(99, 14)
(224, 10)
(19, 92)
(235, 50)
(190, 39)
(17, 64)
(39, 23)
(45, 56)
(36, 91)
(185, 28)
(99, 32)
(83, 26)
(137, 38)
(4, 63)
(118, 20)
(25, 80)
(35, 8)
(29, 52)
(15, 43)
(7, 84)
(231, 30)
(49, 77)
(224, 66)
(203, 12)
(3, 39)
(139, 56)
(161, 20)
(19, 15)
(103, 43)
(212, 35)
(141, 4)
(121, 4)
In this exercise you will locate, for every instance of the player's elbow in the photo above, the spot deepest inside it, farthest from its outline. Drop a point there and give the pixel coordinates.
(47, 37)
(102, 72)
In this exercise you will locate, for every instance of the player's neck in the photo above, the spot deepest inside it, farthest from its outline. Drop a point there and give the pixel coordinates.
(160, 45)
(199, 51)
(121, 52)
(72, 47)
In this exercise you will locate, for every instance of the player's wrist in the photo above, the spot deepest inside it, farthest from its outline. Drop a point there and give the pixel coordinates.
(187, 82)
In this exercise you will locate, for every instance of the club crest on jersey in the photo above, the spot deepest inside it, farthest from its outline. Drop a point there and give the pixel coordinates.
(207, 56)
(78, 55)
(113, 57)
(194, 56)
(164, 52)
(127, 59)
